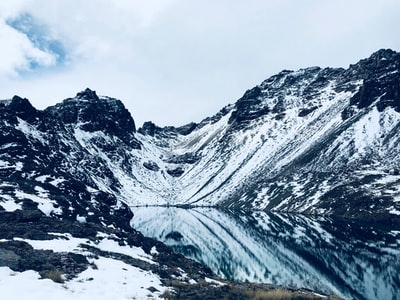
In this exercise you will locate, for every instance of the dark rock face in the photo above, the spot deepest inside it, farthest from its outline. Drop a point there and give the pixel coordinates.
(20, 256)
(151, 165)
(187, 158)
(176, 172)
(23, 108)
(380, 73)
(187, 129)
(148, 128)
(175, 235)
(151, 129)
(87, 94)
(306, 111)
(248, 108)
(381, 62)
(91, 114)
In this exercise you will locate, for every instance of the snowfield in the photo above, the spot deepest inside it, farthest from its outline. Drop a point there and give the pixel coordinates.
(106, 278)
(110, 279)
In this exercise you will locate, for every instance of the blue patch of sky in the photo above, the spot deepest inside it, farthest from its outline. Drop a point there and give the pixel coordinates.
(40, 36)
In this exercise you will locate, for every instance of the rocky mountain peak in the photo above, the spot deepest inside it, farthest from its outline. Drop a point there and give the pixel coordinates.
(381, 80)
(151, 129)
(91, 113)
(87, 94)
(385, 54)
(281, 92)
(374, 80)
(148, 128)
(22, 108)
(248, 108)
(381, 62)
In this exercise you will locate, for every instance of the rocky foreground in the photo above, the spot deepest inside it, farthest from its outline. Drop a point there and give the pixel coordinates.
(66, 251)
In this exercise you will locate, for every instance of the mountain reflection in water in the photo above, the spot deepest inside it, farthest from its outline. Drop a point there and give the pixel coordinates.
(346, 259)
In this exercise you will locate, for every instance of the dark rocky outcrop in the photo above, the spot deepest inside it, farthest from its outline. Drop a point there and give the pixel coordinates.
(381, 80)
(151, 129)
(92, 113)
(177, 172)
(187, 158)
(151, 165)
(23, 109)
(306, 111)
(248, 108)
(175, 235)
(20, 256)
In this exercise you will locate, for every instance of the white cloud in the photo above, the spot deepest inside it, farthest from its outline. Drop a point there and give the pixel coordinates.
(193, 57)
(98, 29)
(342, 19)
(18, 53)
(12, 8)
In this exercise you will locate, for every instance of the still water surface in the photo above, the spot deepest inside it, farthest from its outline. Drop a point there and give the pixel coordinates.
(350, 260)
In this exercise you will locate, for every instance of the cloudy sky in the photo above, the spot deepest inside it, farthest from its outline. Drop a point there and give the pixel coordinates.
(176, 61)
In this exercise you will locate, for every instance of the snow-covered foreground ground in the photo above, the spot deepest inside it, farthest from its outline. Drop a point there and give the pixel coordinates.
(112, 280)
(105, 278)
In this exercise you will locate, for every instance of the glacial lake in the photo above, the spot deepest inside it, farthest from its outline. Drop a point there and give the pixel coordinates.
(351, 260)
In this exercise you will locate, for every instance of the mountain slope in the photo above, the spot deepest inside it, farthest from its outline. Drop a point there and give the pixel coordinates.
(317, 141)
(321, 141)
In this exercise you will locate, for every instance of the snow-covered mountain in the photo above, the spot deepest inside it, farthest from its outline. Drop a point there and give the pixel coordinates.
(317, 141)
(63, 232)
